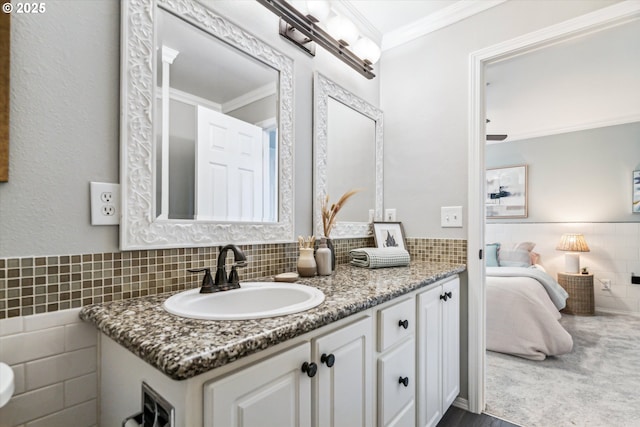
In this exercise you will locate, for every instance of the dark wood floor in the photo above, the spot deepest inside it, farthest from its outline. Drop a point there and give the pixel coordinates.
(456, 417)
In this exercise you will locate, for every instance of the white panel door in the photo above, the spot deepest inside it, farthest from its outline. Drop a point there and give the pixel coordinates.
(229, 163)
(345, 396)
(272, 393)
(429, 333)
(450, 343)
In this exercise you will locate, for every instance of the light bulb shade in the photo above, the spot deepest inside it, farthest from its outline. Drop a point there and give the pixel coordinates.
(319, 9)
(366, 49)
(572, 243)
(343, 29)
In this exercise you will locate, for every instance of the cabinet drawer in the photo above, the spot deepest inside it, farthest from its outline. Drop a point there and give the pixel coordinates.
(394, 396)
(392, 321)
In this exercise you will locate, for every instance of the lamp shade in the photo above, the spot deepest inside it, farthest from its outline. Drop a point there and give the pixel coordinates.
(572, 243)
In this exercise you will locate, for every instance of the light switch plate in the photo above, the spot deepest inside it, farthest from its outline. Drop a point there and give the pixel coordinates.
(451, 216)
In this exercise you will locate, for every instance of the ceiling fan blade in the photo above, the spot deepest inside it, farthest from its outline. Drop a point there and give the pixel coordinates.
(496, 137)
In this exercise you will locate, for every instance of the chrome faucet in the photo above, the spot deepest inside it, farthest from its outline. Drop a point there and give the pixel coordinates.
(222, 282)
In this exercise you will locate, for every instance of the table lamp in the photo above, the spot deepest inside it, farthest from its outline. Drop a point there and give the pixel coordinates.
(573, 244)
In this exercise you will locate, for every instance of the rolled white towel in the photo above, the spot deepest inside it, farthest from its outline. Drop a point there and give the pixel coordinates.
(379, 257)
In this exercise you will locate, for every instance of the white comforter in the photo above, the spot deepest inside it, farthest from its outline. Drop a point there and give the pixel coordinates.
(522, 320)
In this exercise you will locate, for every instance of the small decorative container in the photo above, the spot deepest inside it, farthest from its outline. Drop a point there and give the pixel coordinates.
(307, 263)
(323, 258)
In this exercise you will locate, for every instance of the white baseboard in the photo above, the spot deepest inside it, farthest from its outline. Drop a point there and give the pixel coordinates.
(461, 403)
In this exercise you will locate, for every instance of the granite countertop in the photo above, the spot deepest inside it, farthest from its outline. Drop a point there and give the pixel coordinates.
(183, 348)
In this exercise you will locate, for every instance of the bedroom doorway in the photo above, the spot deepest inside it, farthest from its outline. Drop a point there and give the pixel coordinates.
(595, 21)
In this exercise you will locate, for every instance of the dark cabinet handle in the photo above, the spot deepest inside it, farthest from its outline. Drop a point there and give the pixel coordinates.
(446, 296)
(310, 369)
(403, 323)
(328, 359)
(404, 381)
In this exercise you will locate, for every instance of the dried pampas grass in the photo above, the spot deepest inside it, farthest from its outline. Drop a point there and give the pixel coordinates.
(329, 212)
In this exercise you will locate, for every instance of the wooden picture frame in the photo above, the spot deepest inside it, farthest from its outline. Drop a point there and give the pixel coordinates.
(389, 234)
(506, 192)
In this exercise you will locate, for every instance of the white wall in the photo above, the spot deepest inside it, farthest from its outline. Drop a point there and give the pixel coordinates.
(424, 94)
(65, 130)
(577, 176)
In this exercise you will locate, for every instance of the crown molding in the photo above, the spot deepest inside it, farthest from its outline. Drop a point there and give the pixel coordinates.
(449, 15)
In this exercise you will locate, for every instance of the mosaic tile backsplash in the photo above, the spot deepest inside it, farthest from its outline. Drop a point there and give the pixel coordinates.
(45, 284)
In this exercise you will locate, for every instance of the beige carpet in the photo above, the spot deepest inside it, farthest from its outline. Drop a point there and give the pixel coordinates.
(597, 384)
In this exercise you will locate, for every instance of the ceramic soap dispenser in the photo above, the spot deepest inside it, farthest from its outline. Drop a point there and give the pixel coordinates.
(323, 258)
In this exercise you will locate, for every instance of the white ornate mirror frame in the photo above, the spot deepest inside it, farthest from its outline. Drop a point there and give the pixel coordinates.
(323, 89)
(139, 229)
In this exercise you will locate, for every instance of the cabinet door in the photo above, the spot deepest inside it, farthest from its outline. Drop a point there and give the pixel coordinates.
(429, 341)
(394, 395)
(271, 393)
(344, 391)
(450, 343)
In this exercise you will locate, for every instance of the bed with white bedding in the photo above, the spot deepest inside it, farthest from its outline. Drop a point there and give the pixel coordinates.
(523, 314)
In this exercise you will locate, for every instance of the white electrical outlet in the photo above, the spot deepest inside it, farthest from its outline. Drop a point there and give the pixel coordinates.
(105, 203)
(390, 215)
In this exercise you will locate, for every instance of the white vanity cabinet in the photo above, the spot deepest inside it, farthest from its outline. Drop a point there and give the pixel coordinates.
(438, 364)
(278, 391)
(396, 364)
(274, 392)
(344, 390)
(392, 365)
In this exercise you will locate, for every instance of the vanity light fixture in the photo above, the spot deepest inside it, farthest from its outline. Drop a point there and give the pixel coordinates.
(573, 243)
(304, 31)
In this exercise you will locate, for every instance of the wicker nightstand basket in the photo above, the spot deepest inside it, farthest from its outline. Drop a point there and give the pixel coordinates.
(581, 300)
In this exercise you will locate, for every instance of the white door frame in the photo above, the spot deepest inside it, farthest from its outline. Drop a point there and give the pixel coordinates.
(616, 14)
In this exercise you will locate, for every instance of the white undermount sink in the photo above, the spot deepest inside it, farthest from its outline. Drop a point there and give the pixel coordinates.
(254, 300)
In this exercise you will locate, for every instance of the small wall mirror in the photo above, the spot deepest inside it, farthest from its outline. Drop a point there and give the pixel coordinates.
(207, 153)
(348, 154)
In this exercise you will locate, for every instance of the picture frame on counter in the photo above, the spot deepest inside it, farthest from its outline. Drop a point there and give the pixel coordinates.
(389, 235)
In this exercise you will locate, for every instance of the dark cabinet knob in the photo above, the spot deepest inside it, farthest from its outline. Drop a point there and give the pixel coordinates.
(403, 323)
(444, 297)
(310, 369)
(449, 294)
(328, 359)
(404, 381)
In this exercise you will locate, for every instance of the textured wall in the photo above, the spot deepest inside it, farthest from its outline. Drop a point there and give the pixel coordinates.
(65, 87)
(424, 94)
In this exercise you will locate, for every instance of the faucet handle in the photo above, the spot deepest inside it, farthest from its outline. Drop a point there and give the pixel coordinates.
(234, 279)
(207, 280)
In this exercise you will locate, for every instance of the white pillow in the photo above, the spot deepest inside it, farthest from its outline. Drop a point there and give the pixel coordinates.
(514, 258)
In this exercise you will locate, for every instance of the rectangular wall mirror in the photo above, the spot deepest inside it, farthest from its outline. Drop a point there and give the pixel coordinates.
(206, 135)
(348, 154)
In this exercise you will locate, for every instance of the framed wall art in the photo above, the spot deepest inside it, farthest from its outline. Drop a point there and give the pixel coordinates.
(506, 190)
(389, 235)
(635, 208)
